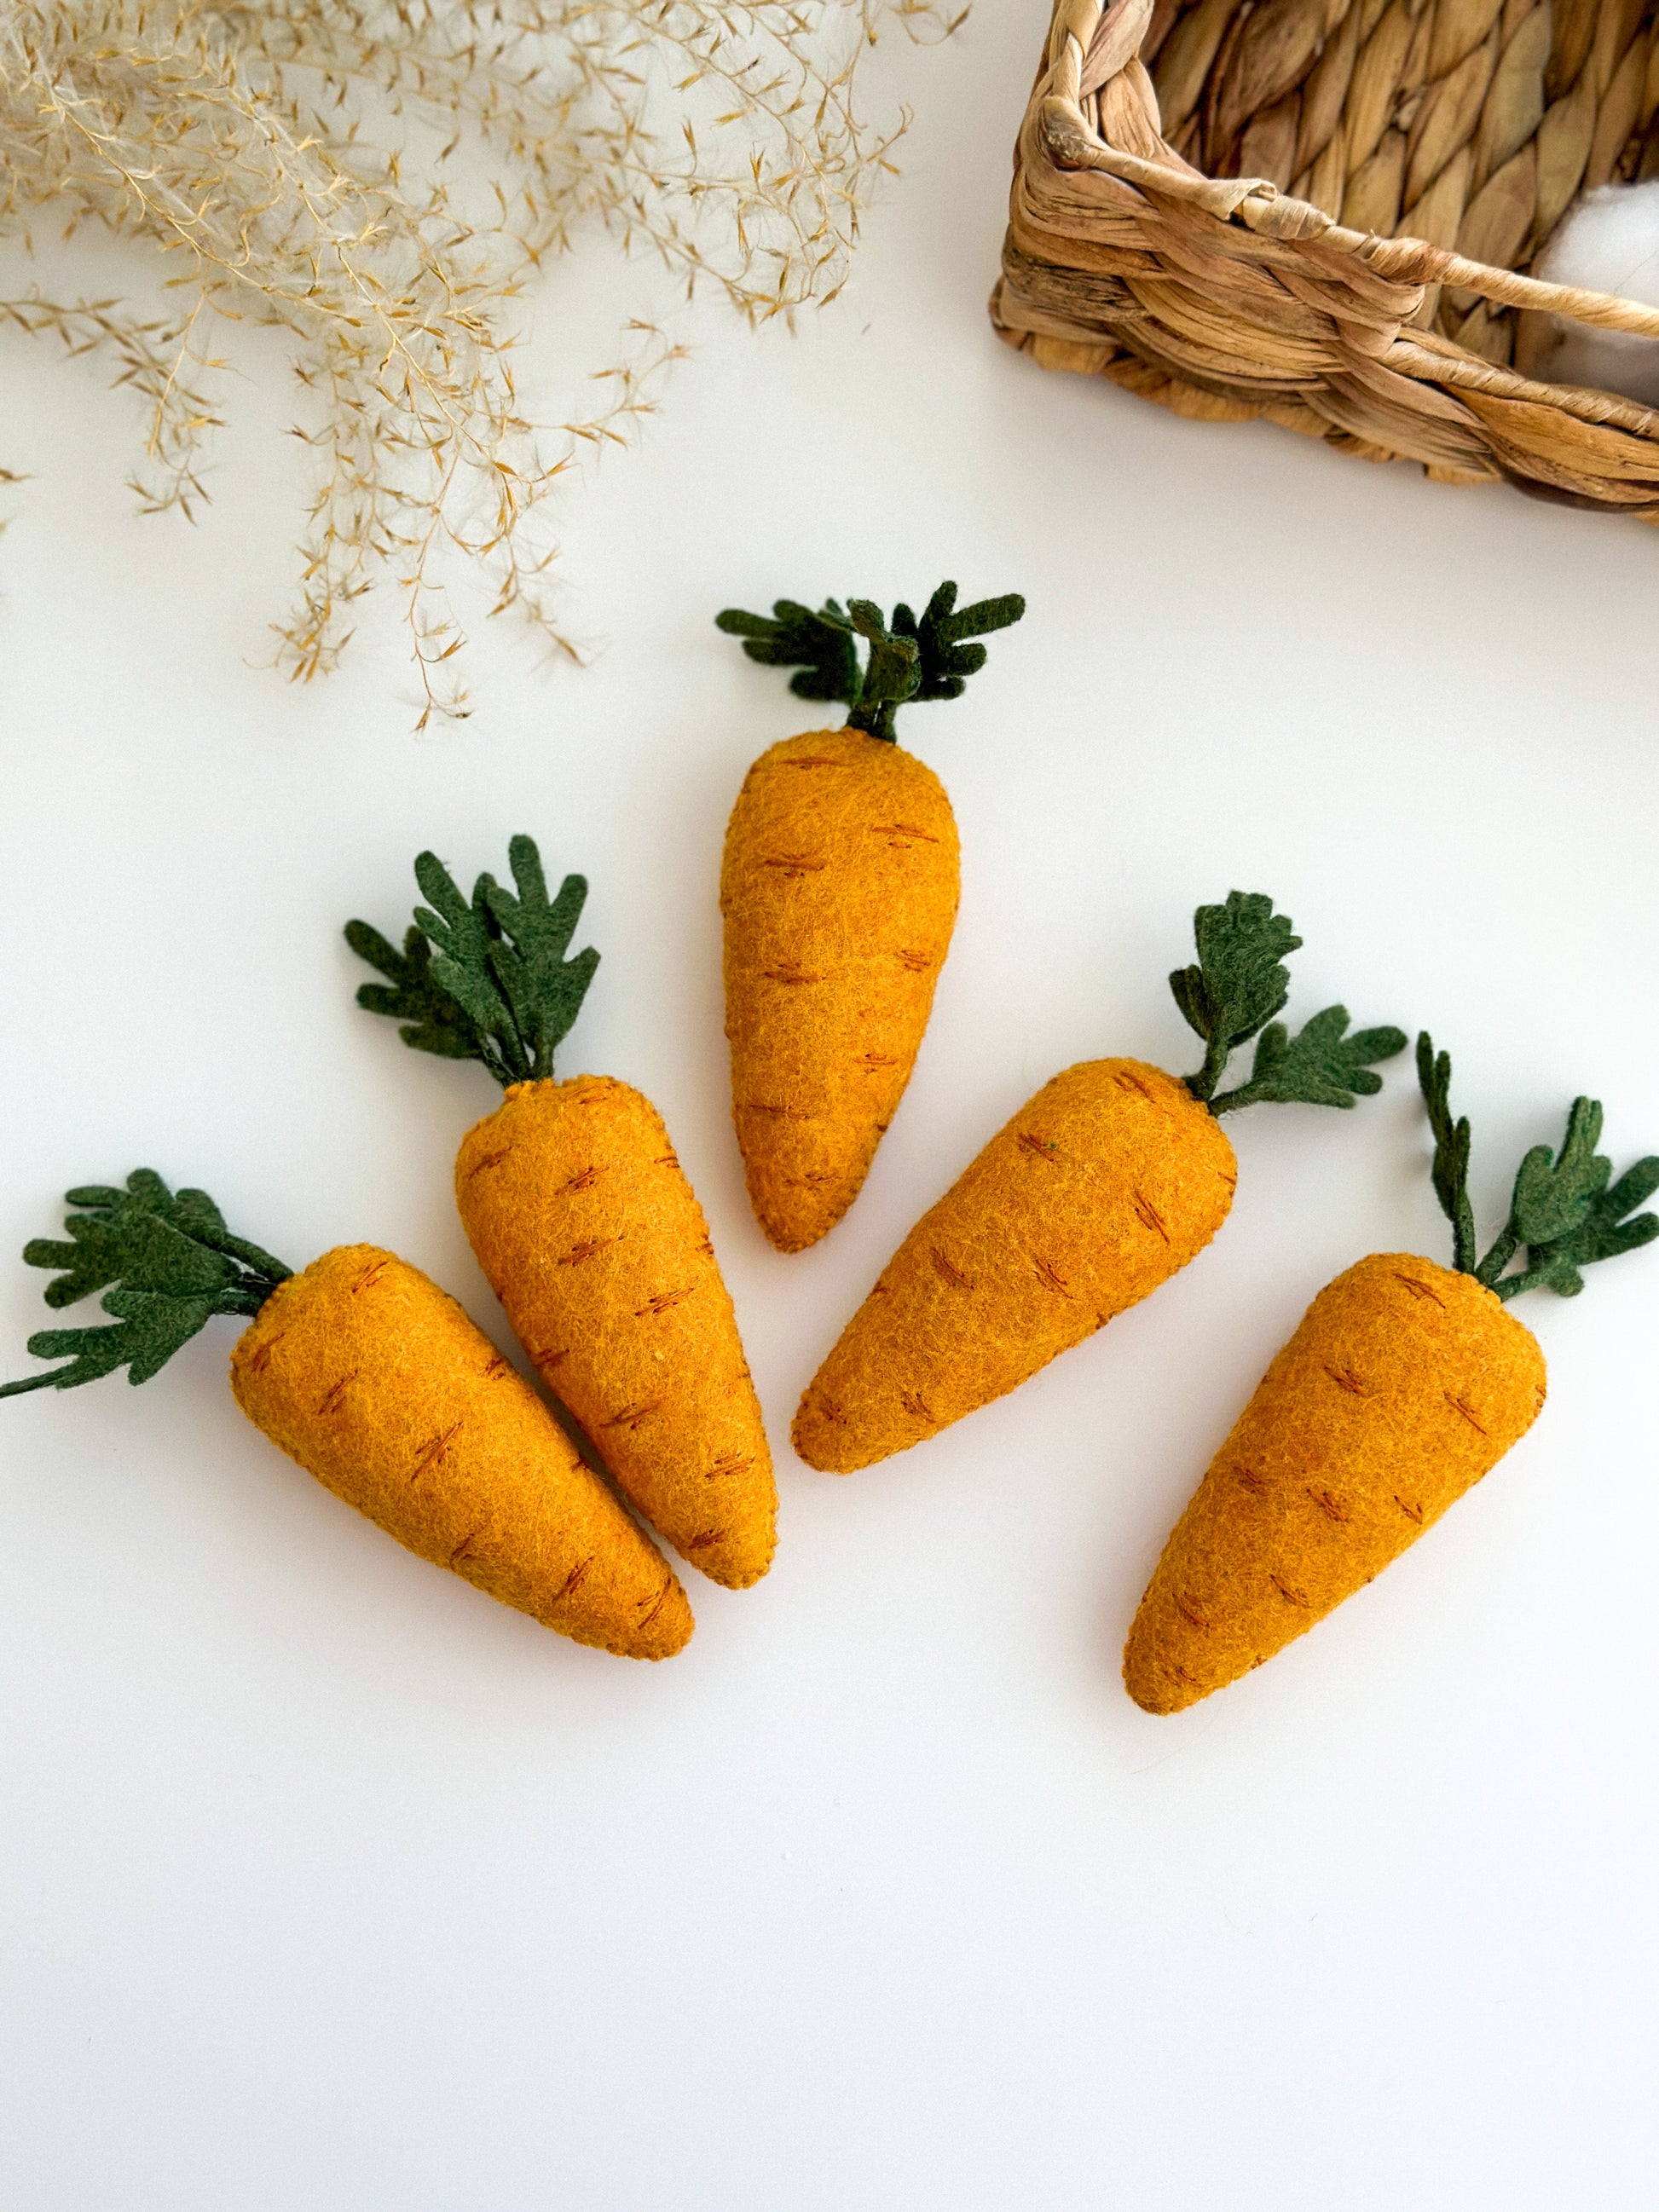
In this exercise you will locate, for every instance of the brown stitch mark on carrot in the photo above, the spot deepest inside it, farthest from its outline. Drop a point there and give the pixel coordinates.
(787, 972)
(369, 1277)
(572, 1580)
(1138, 1174)
(331, 1400)
(588, 1249)
(631, 1417)
(584, 1179)
(917, 1407)
(435, 1451)
(1149, 1216)
(733, 1464)
(490, 1160)
(917, 962)
(790, 866)
(1250, 1481)
(948, 1272)
(1345, 1379)
(464, 1549)
(662, 1301)
(1452, 1342)
(261, 1359)
(1460, 1404)
(662, 1597)
(496, 1364)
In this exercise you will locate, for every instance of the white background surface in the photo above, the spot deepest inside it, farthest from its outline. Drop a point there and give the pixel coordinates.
(327, 1886)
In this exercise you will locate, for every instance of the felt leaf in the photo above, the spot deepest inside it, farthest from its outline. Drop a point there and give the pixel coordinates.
(1553, 1195)
(1605, 1233)
(1564, 1217)
(907, 659)
(821, 645)
(1451, 1150)
(433, 1021)
(1240, 981)
(461, 936)
(946, 662)
(1321, 1066)
(174, 1264)
(543, 990)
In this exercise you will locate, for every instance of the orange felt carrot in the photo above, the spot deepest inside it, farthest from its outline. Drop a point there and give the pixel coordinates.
(1104, 1184)
(839, 891)
(365, 1372)
(581, 1217)
(1405, 1383)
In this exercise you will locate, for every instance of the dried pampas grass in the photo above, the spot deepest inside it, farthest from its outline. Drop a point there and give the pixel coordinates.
(308, 164)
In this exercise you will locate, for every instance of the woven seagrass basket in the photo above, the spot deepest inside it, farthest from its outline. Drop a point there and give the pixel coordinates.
(1321, 211)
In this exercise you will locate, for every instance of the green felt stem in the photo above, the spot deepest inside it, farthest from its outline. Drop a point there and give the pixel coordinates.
(485, 979)
(1238, 984)
(1565, 1213)
(906, 659)
(167, 1265)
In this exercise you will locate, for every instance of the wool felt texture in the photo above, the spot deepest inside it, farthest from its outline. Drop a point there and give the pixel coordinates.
(1109, 1179)
(594, 1242)
(839, 891)
(374, 1380)
(1404, 1383)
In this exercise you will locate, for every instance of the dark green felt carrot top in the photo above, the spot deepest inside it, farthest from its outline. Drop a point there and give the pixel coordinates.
(485, 980)
(1565, 1212)
(1232, 994)
(908, 659)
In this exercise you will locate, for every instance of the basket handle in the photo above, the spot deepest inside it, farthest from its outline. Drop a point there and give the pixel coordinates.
(1114, 42)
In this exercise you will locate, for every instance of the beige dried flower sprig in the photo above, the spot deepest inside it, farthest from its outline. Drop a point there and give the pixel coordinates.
(303, 159)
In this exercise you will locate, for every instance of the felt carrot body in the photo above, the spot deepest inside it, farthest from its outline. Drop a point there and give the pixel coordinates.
(839, 890)
(582, 1219)
(1104, 1184)
(1405, 1383)
(374, 1380)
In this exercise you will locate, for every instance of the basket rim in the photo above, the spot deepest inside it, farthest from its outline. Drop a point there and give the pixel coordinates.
(1090, 42)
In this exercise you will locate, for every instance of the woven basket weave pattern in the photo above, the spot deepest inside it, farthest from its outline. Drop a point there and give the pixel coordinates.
(1319, 211)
